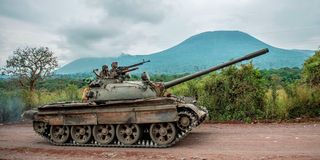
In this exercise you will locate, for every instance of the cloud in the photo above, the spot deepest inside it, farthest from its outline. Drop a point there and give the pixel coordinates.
(117, 28)
(136, 11)
(18, 10)
(85, 35)
(103, 28)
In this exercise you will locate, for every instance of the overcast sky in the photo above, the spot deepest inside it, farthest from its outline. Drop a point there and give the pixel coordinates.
(96, 28)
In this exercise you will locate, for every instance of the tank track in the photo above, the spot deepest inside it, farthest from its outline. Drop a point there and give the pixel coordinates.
(146, 142)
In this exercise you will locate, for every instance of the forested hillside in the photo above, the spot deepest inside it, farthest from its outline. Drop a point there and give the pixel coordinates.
(199, 52)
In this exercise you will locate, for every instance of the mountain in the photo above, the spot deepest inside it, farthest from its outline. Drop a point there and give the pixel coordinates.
(199, 52)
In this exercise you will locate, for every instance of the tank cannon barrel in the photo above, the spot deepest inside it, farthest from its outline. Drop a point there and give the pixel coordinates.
(200, 73)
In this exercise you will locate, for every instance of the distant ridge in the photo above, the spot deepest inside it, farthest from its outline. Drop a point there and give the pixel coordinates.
(199, 52)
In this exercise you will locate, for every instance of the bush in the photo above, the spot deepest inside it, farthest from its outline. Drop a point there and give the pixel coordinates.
(70, 93)
(188, 89)
(311, 70)
(306, 94)
(305, 102)
(236, 94)
(278, 106)
(233, 94)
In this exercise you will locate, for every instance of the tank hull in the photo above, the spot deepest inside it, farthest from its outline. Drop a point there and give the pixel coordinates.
(152, 111)
(144, 113)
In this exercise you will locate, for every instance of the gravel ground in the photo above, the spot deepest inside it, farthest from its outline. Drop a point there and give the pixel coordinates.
(209, 141)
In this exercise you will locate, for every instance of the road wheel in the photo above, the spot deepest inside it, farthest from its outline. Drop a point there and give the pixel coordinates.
(59, 134)
(163, 133)
(128, 133)
(103, 133)
(81, 134)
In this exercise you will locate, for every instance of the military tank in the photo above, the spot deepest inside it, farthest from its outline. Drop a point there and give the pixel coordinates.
(120, 113)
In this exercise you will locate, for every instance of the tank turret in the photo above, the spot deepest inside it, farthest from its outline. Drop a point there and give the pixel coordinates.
(110, 89)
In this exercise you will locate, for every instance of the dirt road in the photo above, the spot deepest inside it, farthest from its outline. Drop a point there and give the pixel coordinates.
(209, 141)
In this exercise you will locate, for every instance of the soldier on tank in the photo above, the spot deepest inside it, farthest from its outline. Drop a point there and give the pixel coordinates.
(104, 72)
(113, 71)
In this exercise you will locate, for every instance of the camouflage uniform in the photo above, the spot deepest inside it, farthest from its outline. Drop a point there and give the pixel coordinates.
(84, 94)
(113, 71)
(104, 72)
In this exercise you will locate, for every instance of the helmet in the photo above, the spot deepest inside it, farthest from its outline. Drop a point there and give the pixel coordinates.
(114, 64)
(104, 67)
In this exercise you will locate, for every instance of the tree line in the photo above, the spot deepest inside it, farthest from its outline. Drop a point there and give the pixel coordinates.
(242, 93)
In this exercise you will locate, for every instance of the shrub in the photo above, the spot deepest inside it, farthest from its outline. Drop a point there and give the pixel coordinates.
(311, 70)
(305, 102)
(278, 106)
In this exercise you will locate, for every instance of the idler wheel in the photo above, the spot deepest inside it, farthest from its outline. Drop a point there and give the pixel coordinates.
(59, 134)
(186, 120)
(81, 134)
(163, 133)
(103, 133)
(128, 133)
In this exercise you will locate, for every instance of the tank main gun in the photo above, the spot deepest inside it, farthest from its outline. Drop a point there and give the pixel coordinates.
(200, 73)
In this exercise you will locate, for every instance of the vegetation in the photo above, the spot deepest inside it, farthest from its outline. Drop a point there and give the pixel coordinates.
(28, 66)
(247, 94)
(311, 70)
(235, 93)
(305, 95)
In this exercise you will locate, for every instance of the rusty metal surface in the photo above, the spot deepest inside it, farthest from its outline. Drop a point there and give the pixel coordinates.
(80, 119)
(157, 116)
(50, 119)
(98, 109)
(111, 114)
(119, 103)
(116, 117)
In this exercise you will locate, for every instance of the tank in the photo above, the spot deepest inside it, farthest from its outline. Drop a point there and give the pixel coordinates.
(116, 112)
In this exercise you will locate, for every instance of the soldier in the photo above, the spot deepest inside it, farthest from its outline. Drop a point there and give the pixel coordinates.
(84, 94)
(104, 72)
(113, 71)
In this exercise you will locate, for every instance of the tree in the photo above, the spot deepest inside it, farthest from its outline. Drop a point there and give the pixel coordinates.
(29, 65)
(306, 95)
(235, 94)
(311, 70)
